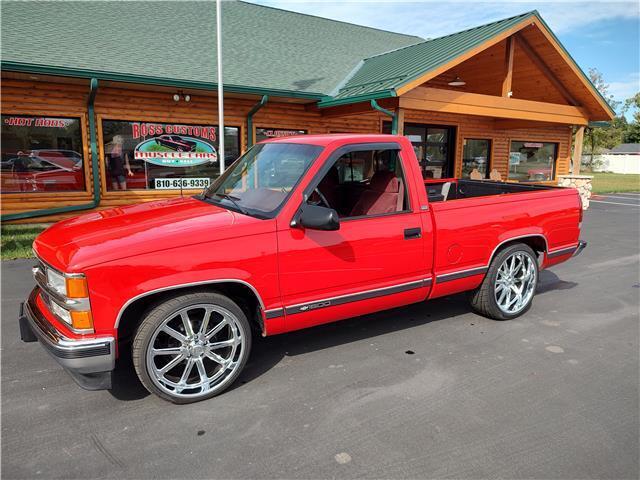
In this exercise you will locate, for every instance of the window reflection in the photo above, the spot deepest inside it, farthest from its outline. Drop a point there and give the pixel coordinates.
(41, 154)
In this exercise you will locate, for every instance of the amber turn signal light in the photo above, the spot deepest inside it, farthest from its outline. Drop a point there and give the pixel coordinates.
(77, 287)
(81, 320)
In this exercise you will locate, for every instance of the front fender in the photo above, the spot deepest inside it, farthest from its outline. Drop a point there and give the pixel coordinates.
(251, 261)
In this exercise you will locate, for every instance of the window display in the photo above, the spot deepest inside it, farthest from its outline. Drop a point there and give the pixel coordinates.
(532, 161)
(164, 156)
(41, 154)
(475, 155)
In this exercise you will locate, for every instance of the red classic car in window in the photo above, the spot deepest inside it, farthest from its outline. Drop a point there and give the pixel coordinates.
(176, 142)
(42, 170)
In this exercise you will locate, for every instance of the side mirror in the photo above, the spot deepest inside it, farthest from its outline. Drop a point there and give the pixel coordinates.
(316, 217)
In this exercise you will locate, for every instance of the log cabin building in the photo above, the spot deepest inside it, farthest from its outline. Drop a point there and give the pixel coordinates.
(98, 93)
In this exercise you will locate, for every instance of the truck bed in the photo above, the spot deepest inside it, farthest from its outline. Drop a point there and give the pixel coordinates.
(448, 189)
(472, 218)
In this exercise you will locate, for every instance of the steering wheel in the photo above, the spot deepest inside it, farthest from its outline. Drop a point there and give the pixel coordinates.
(323, 199)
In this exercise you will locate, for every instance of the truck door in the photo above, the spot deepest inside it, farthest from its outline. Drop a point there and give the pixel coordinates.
(376, 259)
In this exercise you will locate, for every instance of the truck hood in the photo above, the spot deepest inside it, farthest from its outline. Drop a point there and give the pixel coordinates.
(97, 237)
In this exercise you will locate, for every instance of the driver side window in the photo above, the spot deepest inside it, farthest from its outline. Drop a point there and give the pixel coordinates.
(364, 183)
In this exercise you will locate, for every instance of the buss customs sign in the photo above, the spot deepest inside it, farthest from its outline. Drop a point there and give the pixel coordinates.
(169, 145)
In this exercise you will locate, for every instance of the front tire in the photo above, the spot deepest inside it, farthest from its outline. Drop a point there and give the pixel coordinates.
(509, 286)
(191, 347)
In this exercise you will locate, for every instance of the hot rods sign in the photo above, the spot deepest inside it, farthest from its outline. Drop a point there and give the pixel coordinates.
(174, 145)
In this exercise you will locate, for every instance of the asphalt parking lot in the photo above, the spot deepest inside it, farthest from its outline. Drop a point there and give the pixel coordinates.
(427, 391)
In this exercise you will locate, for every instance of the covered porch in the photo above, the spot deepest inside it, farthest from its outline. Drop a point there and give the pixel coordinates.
(505, 99)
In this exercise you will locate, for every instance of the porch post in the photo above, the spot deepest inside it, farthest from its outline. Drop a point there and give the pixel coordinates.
(577, 150)
(508, 68)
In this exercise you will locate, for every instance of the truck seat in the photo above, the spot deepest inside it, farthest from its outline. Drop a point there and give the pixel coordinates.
(330, 188)
(384, 195)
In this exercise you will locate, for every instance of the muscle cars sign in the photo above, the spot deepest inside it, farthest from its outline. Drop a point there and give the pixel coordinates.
(174, 145)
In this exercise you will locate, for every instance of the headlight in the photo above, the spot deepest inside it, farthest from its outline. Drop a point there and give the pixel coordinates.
(67, 296)
(57, 282)
(70, 287)
(62, 313)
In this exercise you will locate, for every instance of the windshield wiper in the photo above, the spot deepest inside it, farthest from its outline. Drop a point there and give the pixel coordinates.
(233, 200)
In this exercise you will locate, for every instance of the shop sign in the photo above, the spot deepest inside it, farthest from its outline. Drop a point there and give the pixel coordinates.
(175, 151)
(277, 133)
(37, 122)
(533, 145)
(174, 145)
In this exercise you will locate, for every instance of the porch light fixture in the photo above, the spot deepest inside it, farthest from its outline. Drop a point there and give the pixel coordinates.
(457, 82)
(180, 95)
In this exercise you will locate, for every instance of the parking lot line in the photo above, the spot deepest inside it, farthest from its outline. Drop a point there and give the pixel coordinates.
(616, 203)
(621, 197)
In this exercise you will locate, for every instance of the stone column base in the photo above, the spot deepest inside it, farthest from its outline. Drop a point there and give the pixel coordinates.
(580, 182)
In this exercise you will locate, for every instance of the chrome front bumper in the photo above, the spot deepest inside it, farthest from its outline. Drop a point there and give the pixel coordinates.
(89, 361)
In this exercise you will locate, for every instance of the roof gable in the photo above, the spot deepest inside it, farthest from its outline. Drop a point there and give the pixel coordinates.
(396, 72)
(393, 69)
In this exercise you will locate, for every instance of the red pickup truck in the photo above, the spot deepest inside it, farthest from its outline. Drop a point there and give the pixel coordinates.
(298, 232)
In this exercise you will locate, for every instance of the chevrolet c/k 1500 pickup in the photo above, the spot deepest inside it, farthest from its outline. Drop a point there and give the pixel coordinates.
(298, 232)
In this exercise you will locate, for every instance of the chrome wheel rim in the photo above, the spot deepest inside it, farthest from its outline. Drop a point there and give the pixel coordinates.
(195, 350)
(515, 282)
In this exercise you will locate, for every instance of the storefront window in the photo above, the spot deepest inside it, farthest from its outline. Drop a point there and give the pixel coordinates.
(475, 155)
(164, 156)
(264, 133)
(434, 146)
(532, 161)
(41, 154)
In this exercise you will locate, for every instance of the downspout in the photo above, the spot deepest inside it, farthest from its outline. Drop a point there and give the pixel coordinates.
(394, 117)
(252, 112)
(94, 166)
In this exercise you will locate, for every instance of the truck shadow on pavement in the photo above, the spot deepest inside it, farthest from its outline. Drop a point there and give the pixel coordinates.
(268, 352)
(549, 281)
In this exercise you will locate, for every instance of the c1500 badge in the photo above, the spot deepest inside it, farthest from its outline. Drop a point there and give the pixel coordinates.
(175, 151)
(313, 306)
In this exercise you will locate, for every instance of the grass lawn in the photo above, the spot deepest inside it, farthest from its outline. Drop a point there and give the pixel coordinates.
(17, 240)
(615, 182)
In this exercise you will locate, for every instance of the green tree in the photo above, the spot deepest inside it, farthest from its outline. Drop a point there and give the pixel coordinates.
(596, 139)
(632, 134)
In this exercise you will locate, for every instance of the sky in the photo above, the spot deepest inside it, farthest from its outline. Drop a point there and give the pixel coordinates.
(598, 34)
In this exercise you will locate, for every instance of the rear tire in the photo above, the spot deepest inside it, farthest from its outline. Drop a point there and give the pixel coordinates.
(191, 347)
(509, 286)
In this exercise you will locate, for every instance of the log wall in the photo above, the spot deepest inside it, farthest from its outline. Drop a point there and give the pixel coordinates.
(119, 102)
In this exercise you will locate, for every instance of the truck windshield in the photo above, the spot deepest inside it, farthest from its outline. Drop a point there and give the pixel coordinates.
(260, 181)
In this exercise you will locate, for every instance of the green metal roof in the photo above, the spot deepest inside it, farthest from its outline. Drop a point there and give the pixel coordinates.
(265, 49)
(378, 76)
